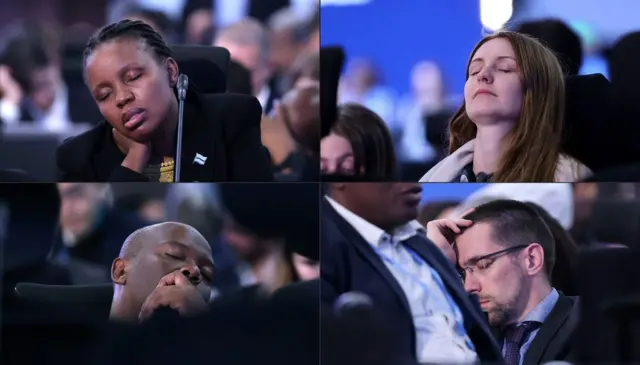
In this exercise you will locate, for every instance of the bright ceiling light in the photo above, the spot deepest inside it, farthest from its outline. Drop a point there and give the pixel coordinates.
(494, 14)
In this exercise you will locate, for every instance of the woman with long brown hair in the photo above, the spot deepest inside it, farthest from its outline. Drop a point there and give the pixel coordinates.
(510, 124)
(359, 145)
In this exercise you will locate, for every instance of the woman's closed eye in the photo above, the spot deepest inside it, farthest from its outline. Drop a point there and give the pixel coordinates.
(134, 77)
(103, 97)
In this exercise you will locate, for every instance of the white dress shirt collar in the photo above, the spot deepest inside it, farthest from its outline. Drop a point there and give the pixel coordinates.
(373, 234)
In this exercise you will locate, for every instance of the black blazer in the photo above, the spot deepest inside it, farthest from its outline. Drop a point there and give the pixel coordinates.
(554, 341)
(223, 127)
(349, 263)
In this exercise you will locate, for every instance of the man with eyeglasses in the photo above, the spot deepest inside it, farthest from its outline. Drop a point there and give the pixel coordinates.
(505, 254)
(372, 245)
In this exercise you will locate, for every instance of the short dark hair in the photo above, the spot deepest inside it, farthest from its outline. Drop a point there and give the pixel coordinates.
(370, 140)
(563, 41)
(515, 223)
(133, 29)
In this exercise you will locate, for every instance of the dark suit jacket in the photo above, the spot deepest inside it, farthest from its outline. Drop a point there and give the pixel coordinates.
(554, 340)
(349, 263)
(223, 127)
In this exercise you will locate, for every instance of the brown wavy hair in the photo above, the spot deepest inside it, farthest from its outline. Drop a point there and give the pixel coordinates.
(533, 145)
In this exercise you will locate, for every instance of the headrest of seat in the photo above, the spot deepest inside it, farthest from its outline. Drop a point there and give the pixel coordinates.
(65, 294)
(206, 66)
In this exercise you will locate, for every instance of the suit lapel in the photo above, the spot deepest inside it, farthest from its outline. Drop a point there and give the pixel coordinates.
(544, 338)
(365, 249)
(196, 147)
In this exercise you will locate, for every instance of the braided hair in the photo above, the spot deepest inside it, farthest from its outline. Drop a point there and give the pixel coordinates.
(137, 30)
(133, 29)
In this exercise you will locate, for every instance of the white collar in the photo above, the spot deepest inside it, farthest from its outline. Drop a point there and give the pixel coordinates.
(373, 234)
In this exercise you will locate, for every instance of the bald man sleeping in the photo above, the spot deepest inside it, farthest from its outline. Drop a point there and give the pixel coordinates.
(163, 265)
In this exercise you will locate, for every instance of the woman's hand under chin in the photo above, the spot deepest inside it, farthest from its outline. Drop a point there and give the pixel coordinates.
(137, 154)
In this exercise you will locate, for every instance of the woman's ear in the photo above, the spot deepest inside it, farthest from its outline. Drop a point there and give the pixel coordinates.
(172, 71)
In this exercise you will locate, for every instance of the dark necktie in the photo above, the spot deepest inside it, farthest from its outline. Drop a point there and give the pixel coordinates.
(514, 336)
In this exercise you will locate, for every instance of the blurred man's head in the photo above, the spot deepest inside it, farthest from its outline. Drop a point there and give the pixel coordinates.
(247, 41)
(306, 66)
(385, 205)
(197, 22)
(561, 39)
(153, 252)
(82, 207)
(428, 86)
(155, 19)
(32, 54)
(507, 256)
(302, 107)
(249, 246)
(289, 34)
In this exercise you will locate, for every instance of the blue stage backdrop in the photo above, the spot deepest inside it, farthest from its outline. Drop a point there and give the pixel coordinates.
(396, 34)
(445, 191)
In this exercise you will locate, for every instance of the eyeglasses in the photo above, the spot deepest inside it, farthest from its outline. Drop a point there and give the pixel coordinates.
(483, 263)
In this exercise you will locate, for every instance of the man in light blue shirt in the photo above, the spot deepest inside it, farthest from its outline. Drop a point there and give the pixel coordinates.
(506, 257)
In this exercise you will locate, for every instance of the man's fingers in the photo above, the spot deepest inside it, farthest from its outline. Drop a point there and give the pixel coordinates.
(452, 226)
(469, 211)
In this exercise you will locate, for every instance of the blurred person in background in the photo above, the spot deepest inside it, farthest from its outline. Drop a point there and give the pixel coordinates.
(495, 135)
(156, 20)
(359, 144)
(136, 142)
(146, 201)
(506, 255)
(263, 261)
(91, 231)
(248, 44)
(306, 66)
(288, 38)
(197, 22)
(361, 84)
(561, 39)
(292, 133)
(228, 12)
(31, 86)
(428, 97)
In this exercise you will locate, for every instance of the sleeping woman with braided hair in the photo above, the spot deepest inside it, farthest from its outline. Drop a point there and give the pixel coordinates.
(132, 76)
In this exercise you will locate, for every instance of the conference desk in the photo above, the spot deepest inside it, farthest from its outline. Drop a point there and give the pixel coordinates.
(31, 149)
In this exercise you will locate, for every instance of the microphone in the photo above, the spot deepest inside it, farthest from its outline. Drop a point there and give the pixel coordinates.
(363, 336)
(354, 305)
(182, 86)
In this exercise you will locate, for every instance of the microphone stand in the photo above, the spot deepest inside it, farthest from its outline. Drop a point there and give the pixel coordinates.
(182, 85)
